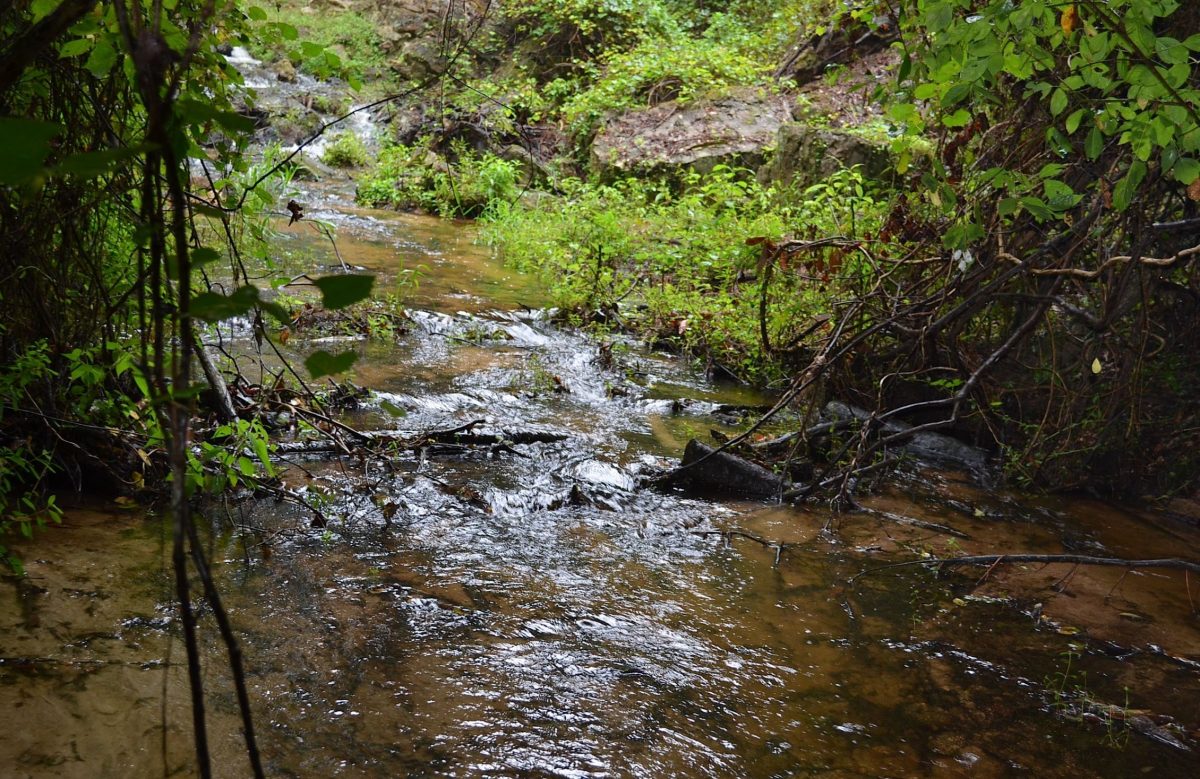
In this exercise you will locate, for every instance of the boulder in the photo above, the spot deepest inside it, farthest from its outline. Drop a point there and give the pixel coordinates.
(733, 130)
(285, 71)
(929, 447)
(805, 155)
(724, 475)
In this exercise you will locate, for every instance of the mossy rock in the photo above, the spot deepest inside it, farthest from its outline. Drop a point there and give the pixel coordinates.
(805, 155)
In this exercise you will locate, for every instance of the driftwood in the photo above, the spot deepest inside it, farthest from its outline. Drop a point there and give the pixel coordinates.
(1076, 559)
(460, 436)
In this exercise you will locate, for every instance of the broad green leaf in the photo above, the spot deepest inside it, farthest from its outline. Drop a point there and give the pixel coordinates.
(76, 47)
(40, 9)
(960, 118)
(102, 58)
(256, 13)
(26, 145)
(1127, 187)
(260, 449)
(323, 363)
(95, 163)
(1094, 144)
(1074, 119)
(204, 256)
(342, 291)
(213, 307)
(392, 408)
(1186, 170)
(1058, 102)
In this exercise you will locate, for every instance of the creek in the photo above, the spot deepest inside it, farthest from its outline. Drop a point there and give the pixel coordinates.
(528, 610)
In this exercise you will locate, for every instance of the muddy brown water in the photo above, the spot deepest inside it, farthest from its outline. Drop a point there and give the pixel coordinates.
(530, 612)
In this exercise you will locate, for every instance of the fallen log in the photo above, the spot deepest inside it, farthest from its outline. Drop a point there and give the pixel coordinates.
(418, 440)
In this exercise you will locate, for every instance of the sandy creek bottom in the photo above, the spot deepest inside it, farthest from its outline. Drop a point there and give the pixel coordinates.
(530, 613)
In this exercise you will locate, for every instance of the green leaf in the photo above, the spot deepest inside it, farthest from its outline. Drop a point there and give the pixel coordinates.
(960, 118)
(234, 122)
(1127, 187)
(342, 291)
(102, 58)
(1186, 170)
(287, 31)
(1074, 119)
(392, 408)
(75, 48)
(323, 363)
(1058, 102)
(264, 455)
(95, 163)
(256, 13)
(26, 145)
(955, 95)
(212, 307)
(1094, 144)
(40, 9)
(204, 256)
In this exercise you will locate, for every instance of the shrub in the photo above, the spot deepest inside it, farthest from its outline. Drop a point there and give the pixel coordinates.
(346, 150)
(680, 263)
(414, 177)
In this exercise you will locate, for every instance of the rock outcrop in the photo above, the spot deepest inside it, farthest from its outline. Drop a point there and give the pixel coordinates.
(732, 130)
(805, 155)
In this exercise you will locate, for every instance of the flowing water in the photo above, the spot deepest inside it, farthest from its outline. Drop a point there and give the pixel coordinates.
(528, 610)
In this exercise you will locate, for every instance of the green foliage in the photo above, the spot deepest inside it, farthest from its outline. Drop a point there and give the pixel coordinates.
(235, 453)
(23, 467)
(412, 177)
(326, 43)
(684, 256)
(1106, 86)
(346, 150)
(669, 67)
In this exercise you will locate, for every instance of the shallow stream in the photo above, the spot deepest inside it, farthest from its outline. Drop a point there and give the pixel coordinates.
(527, 611)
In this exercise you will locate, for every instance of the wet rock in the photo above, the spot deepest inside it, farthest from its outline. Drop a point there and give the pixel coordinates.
(930, 447)
(805, 155)
(732, 130)
(285, 71)
(419, 58)
(723, 474)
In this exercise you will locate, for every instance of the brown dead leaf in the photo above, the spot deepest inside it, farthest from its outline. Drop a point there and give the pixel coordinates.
(1193, 190)
(1070, 18)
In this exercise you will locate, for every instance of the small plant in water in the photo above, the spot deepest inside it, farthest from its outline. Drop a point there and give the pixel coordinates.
(1067, 687)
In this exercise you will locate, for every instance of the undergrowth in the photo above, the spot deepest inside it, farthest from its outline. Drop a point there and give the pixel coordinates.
(412, 177)
(687, 266)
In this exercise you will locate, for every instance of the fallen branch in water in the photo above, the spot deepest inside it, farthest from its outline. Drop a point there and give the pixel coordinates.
(418, 440)
(1078, 559)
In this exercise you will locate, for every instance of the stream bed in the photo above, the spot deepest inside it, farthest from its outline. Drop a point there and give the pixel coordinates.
(527, 610)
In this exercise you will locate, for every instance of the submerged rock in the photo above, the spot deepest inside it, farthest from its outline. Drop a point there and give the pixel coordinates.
(708, 472)
(732, 130)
